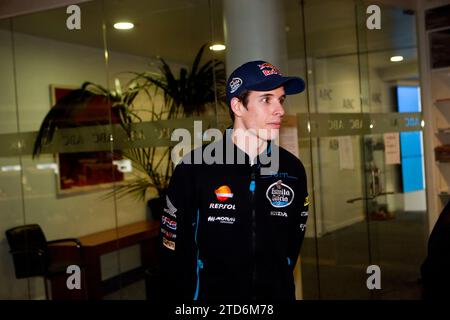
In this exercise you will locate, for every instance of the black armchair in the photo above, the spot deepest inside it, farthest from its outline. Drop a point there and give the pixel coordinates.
(29, 249)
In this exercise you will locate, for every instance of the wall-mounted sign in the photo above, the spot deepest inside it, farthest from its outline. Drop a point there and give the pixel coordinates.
(346, 158)
(348, 124)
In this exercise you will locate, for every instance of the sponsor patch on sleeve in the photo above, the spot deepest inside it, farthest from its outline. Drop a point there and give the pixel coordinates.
(171, 224)
(168, 234)
(170, 208)
(306, 201)
(168, 244)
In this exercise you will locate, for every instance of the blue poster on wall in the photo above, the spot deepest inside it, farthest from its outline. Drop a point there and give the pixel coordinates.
(411, 147)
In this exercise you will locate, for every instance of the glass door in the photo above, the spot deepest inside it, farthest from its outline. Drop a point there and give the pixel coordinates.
(392, 148)
(364, 125)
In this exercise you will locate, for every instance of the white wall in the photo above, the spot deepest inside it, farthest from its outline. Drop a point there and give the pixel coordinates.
(336, 185)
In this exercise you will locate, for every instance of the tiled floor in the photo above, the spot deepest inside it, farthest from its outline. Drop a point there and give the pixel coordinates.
(398, 246)
(135, 291)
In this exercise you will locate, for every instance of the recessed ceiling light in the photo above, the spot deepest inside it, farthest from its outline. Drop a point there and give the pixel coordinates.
(396, 58)
(123, 25)
(217, 47)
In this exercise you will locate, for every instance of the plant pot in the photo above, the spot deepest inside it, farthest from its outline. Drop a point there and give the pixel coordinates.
(155, 208)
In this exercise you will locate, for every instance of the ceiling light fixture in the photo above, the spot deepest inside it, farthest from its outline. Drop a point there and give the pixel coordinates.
(123, 25)
(217, 47)
(396, 58)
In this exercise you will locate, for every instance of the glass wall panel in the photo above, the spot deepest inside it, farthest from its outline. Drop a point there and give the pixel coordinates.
(166, 34)
(334, 90)
(12, 209)
(394, 162)
(102, 162)
(371, 203)
(298, 107)
(62, 185)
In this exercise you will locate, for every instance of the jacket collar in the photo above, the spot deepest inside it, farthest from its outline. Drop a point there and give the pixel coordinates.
(239, 153)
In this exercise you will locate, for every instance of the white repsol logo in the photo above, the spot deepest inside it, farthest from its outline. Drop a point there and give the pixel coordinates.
(222, 206)
(222, 219)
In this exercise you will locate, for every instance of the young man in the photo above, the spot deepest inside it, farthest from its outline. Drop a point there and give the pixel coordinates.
(232, 230)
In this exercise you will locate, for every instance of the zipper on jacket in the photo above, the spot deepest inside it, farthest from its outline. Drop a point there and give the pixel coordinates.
(197, 287)
(199, 262)
(252, 204)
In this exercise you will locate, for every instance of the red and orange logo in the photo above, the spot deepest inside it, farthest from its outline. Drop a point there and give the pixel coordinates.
(223, 193)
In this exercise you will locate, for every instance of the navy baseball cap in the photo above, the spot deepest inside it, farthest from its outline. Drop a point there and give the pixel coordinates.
(261, 76)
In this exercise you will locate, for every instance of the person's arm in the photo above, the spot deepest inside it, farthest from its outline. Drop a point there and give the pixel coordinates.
(297, 224)
(177, 238)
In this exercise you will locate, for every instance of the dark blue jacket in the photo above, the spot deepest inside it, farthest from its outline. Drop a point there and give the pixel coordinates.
(436, 268)
(230, 233)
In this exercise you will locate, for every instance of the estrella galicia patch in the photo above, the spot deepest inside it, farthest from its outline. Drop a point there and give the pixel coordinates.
(279, 194)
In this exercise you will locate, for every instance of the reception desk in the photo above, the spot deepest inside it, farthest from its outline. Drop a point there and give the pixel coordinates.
(144, 233)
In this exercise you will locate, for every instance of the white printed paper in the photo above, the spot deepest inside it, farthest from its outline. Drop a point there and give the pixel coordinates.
(346, 153)
(392, 148)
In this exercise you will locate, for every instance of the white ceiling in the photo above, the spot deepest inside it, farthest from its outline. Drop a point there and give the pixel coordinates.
(175, 29)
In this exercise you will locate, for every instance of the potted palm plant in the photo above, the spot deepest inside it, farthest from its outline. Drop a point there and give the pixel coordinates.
(192, 92)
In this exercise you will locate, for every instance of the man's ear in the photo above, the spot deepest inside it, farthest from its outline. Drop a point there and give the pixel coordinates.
(237, 107)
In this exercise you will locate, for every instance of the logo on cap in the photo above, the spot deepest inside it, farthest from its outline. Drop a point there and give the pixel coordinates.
(223, 193)
(268, 69)
(235, 83)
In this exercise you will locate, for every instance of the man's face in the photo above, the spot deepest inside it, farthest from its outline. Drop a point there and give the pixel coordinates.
(264, 113)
